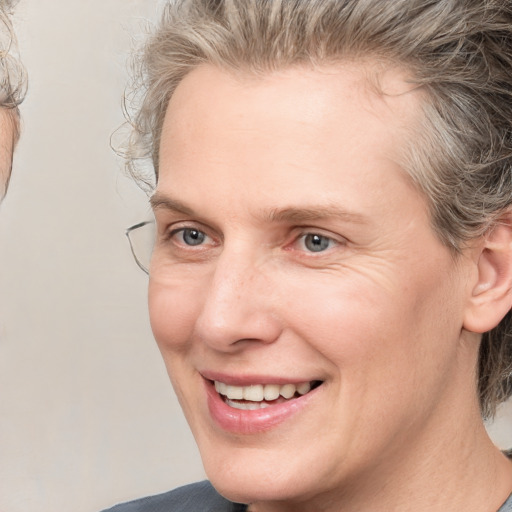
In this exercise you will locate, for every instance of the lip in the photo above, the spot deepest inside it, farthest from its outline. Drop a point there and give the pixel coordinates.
(238, 421)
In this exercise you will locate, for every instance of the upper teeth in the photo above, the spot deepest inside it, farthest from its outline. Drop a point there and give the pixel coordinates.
(259, 392)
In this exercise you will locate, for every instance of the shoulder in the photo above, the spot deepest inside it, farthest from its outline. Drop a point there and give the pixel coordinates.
(507, 506)
(198, 497)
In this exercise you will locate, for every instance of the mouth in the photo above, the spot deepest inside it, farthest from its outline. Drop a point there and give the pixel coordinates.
(247, 405)
(261, 396)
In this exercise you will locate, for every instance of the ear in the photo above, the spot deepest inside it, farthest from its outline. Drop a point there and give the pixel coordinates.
(491, 297)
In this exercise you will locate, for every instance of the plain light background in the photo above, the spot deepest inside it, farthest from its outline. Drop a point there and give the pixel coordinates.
(87, 415)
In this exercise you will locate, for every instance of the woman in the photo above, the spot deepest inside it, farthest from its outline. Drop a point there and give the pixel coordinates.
(331, 281)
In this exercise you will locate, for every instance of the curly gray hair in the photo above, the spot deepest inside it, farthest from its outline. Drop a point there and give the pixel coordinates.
(13, 80)
(459, 51)
(13, 83)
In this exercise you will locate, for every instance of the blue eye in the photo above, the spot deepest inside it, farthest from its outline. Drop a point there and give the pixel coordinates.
(316, 243)
(192, 236)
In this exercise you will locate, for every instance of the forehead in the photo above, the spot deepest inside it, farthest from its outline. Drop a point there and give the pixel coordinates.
(331, 94)
(291, 129)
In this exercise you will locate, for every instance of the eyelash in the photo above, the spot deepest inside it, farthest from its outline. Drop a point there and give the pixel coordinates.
(172, 234)
(317, 238)
(324, 242)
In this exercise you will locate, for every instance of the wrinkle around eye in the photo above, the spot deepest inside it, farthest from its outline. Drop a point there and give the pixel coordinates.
(317, 244)
(335, 256)
(171, 245)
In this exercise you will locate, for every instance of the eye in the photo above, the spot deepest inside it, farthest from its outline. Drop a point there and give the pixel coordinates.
(313, 242)
(190, 236)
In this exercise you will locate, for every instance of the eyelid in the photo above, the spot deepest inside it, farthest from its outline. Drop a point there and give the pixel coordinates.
(166, 227)
(167, 219)
(179, 227)
(169, 230)
(337, 240)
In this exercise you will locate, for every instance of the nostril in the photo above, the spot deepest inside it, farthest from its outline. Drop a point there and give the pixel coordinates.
(239, 328)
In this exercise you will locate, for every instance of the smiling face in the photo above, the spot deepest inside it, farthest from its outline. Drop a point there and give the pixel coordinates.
(294, 253)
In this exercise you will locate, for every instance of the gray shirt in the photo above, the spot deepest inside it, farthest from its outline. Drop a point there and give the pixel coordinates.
(200, 497)
(507, 506)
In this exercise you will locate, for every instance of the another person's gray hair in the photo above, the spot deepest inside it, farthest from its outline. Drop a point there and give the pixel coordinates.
(458, 51)
(13, 79)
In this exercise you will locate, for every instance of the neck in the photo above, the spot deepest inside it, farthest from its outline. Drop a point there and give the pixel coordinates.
(463, 470)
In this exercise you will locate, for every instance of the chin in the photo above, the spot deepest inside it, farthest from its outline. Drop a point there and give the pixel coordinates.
(247, 488)
(255, 475)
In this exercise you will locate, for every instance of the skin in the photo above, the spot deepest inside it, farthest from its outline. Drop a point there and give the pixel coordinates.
(7, 142)
(378, 316)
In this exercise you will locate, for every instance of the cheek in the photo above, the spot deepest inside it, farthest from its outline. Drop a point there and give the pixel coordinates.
(361, 325)
(172, 312)
(340, 315)
(172, 317)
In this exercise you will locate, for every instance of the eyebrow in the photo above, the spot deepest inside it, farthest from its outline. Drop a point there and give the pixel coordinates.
(160, 201)
(311, 213)
(289, 214)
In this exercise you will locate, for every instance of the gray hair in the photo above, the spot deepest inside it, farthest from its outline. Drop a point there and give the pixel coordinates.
(458, 51)
(13, 79)
(13, 84)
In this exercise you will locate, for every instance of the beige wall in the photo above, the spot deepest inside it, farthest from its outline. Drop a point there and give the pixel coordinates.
(87, 416)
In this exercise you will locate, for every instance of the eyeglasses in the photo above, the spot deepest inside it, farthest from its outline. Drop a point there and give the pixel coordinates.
(142, 239)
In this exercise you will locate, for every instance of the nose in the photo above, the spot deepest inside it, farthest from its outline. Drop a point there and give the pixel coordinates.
(239, 305)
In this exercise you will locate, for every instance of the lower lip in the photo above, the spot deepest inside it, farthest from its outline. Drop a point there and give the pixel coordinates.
(239, 421)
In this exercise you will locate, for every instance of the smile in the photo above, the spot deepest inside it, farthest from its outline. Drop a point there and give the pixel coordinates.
(260, 396)
(240, 406)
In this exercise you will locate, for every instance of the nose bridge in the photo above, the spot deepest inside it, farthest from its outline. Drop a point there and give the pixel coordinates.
(238, 304)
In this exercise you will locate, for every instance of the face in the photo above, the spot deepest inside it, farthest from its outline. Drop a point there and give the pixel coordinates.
(307, 314)
(7, 138)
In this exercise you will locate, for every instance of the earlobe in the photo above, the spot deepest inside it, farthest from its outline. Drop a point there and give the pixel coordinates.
(491, 297)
